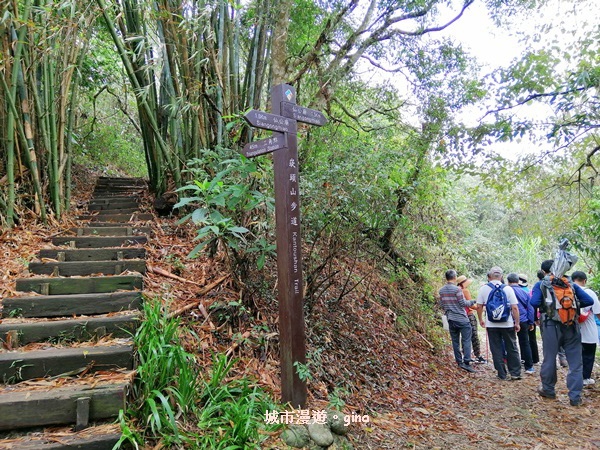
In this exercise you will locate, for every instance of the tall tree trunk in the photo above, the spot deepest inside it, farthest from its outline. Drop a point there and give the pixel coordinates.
(280, 37)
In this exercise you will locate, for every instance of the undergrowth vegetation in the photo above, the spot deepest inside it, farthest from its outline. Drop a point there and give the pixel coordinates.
(107, 139)
(177, 405)
(232, 213)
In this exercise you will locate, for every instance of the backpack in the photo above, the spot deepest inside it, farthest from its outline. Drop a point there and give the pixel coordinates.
(559, 292)
(497, 306)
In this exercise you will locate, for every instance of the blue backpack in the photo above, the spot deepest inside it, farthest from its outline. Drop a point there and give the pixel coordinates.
(497, 306)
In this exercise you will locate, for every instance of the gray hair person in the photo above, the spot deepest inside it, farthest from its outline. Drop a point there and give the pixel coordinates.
(501, 335)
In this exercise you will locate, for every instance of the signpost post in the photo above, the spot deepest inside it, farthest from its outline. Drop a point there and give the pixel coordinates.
(284, 143)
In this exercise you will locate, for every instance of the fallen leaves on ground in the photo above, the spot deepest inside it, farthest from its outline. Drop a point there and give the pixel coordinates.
(399, 377)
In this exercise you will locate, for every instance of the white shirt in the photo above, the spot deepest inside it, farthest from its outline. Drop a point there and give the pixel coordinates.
(589, 331)
(484, 293)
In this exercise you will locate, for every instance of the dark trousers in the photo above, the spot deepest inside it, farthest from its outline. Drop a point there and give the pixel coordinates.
(460, 333)
(588, 355)
(507, 338)
(556, 335)
(535, 354)
(524, 346)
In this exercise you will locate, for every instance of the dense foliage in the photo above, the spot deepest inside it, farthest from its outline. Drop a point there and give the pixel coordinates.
(395, 181)
(179, 405)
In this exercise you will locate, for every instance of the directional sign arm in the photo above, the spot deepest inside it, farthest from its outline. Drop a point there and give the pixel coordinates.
(301, 114)
(268, 121)
(264, 146)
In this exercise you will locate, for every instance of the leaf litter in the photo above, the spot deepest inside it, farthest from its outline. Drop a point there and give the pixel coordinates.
(403, 379)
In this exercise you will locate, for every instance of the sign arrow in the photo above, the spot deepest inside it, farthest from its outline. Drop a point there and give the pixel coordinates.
(267, 121)
(264, 146)
(301, 114)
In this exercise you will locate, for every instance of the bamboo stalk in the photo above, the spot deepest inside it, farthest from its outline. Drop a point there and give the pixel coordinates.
(219, 70)
(235, 59)
(10, 134)
(31, 163)
(48, 69)
(14, 125)
(260, 59)
(157, 175)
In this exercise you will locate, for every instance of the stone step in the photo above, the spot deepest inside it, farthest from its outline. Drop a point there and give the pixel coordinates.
(137, 217)
(96, 254)
(109, 179)
(96, 441)
(117, 191)
(97, 224)
(114, 199)
(109, 212)
(103, 184)
(121, 182)
(71, 305)
(98, 241)
(74, 268)
(27, 408)
(26, 365)
(110, 231)
(72, 285)
(81, 329)
(112, 206)
(53, 340)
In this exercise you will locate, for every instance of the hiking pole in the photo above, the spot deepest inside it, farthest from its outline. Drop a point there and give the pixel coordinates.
(487, 348)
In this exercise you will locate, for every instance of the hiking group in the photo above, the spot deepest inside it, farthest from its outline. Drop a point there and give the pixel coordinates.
(567, 312)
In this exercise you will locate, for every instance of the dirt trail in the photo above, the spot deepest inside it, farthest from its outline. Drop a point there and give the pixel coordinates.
(480, 412)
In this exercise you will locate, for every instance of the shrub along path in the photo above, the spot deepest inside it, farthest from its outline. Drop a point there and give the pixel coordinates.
(67, 356)
(401, 376)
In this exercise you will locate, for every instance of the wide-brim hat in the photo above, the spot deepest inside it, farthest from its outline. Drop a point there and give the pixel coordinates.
(522, 279)
(465, 280)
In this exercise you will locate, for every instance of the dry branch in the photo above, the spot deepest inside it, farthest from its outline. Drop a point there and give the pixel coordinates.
(164, 273)
(195, 304)
(236, 344)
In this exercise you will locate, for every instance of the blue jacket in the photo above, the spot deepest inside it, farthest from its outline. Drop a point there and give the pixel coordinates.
(525, 308)
(537, 298)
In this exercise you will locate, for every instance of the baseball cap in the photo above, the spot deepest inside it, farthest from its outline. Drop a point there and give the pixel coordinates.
(495, 271)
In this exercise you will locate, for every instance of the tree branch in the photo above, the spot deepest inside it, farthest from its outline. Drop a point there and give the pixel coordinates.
(324, 37)
(424, 30)
(534, 97)
(379, 66)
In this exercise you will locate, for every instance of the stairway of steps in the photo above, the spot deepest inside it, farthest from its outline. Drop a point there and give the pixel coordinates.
(67, 355)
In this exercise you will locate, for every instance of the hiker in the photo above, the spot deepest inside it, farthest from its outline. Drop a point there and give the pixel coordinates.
(589, 331)
(453, 303)
(501, 322)
(525, 322)
(535, 354)
(556, 334)
(562, 359)
(523, 284)
(463, 283)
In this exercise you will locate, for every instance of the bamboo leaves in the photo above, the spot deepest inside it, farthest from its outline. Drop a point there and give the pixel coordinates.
(42, 42)
(185, 61)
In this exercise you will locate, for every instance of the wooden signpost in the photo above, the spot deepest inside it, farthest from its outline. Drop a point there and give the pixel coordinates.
(284, 145)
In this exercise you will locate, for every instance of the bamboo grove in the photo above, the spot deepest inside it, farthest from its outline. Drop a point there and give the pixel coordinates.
(194, 68)
(41, 47)
(190, 65)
